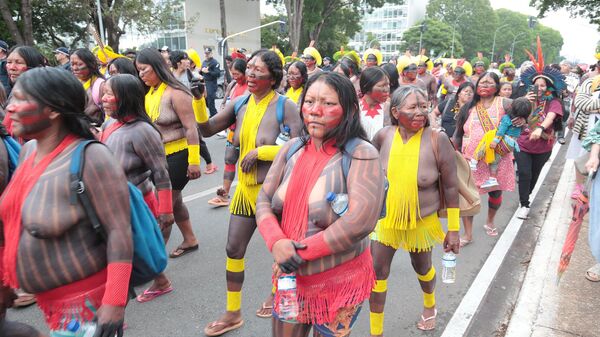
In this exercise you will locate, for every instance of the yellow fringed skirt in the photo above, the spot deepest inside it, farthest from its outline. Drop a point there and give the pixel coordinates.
(243, 202)
(427, 233)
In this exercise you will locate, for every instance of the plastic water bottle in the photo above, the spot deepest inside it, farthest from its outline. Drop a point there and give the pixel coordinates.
(88, 330)
(449, 268)
(288, 298)
(283, 136)
(339, 202)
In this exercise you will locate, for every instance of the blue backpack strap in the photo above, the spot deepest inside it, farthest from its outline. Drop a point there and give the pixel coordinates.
(13, 148)
(296, 145)
(78, 189)
(281, 110)
(238, 105)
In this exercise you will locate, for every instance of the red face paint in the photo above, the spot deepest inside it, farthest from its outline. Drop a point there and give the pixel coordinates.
(27, 118)
(321, 110)
(371, 63)
(486, 91)
(421, 70)
(380, 95)
(412, 116)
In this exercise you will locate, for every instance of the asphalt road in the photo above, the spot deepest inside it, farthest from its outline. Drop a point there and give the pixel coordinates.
(199, 278)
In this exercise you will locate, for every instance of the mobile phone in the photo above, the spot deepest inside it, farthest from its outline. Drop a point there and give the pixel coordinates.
(533, 88)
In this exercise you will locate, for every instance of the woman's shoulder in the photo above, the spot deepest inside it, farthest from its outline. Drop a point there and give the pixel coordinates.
(364, 150)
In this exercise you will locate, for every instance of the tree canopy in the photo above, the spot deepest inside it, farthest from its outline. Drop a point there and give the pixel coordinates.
(437, 37)
(583, 8)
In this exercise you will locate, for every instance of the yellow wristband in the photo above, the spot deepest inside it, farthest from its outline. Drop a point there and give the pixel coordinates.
(193, 154)
(454, 219)
(268, 152)
(200, 112)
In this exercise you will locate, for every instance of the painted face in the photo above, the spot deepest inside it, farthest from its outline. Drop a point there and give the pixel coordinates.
(294, 77)
(109, 100)
(412, 115)
(410, 72)
(79, 68)
(147, 74)
(28, 117)
(542, 86)
(112, 70)
(506, 90)
(486, 87)
(321, 110)
(15, 66)
(371, 61)
(258, 76)
(421, 69)
(238, 76)
(465, 95)
(458, 75)
(479, 69)
(309, 61)
(381, 90)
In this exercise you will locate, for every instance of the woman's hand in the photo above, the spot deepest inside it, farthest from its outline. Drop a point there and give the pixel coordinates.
(7, 297)
(451, 242)
(284, 253)
(249, 161)
(165, 220)
(571, 122)
(531, 96)
(110, 321)
(592, 164)
(518, 122)
(193, 172)
(536, 134)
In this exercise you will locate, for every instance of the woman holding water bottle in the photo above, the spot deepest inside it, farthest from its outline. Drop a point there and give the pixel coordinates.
(322, 250)
(414, 170)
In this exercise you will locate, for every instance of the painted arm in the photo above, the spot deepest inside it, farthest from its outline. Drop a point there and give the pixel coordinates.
(221, 121)
(292, 120)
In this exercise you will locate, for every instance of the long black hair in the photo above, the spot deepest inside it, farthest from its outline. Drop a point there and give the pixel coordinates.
(370, 77)
(130, 95)
(273, 63)
(154, 59)
(393, 75)
(303, 72)
(176, 56)
(464, 111)
(124, 66)
(239, 65)
(63, 93)
(348, 66)
(90, 61)
(350, 126)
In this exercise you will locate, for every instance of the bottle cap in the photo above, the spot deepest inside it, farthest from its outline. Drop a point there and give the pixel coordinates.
(73, 325)
(286, 128)
(330, 196)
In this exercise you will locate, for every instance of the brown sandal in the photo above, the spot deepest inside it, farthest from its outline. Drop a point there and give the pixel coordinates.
(212, 329)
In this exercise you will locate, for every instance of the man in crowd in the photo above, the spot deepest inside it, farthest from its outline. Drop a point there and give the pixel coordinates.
(63, 57)
(211, 72)
(164, 51)
(3, 72)
(327, 66)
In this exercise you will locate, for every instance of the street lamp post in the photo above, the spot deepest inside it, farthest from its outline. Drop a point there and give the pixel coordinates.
(494, 43)
(453, 30)
(512, 48)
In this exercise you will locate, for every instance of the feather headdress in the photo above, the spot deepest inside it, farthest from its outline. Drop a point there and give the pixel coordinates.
(540, 70)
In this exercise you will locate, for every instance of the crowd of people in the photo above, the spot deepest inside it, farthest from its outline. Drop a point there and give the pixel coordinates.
(387, 135)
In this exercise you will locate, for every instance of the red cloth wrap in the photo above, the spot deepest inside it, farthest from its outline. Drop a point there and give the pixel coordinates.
(117, 283)
(114, 127)
(270, 231)
(152, 202)
(322, 295)
(229, 167)
(165, 201)
(78, 300)
(316, 247)
(21, 184)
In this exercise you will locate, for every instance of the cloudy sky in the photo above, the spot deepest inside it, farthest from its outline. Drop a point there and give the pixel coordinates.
(579, 36)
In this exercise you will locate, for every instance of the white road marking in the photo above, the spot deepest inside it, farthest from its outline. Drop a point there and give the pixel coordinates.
(204, 193)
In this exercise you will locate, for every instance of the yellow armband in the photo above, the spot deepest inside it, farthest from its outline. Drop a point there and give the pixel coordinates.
(200, 113)
(453, 219)
(268, 152)
(194, 154)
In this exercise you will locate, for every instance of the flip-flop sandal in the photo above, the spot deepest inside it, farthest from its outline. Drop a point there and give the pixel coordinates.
(464, 242)
(183, 250)
(24, 300)
(219, 201)
(593, 274)
(148, 295)
(423, 321)
(211, 171)
(263, 307)
(490, 231)
(210, 329)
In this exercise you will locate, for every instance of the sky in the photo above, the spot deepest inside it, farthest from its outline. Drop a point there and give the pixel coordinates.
(579, 36)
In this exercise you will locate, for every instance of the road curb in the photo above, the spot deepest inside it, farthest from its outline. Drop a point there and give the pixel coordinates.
(540, 278)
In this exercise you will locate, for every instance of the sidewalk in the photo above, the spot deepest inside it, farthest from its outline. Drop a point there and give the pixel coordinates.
(571, 307)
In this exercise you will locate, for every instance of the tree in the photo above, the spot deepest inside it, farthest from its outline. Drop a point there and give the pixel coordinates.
(475, 21)
(24, 34)
(437, 38)
(275, 35)
(583, 8)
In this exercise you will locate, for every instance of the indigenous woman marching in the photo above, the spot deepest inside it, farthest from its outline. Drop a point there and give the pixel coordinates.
(237, 88)
(297, 76)
(257, 129)
(414, 168)
(82, 275)
(84, 66)
(169, 105)
(349, 65)
(138, 146)
(329, 252)
(449, 109)
(375, 86)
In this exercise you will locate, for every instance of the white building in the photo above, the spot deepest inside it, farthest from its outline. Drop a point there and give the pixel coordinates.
(387, 24)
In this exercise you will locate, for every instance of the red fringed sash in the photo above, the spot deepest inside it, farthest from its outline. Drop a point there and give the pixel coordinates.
(25, 177)
(321, 295)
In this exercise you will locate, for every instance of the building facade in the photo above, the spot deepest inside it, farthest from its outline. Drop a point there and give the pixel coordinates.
(386, 26)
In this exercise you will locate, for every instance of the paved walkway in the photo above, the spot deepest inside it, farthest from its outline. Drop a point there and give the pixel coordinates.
(571, 307)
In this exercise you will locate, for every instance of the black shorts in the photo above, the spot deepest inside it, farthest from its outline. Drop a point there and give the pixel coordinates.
(178, 165)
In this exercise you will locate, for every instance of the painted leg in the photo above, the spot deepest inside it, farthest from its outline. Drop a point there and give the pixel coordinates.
(382, 260)
(422, 265)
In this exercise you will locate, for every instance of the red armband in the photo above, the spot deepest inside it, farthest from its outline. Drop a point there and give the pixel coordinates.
(316, 247)
(117, 284)
(165, 202)
(271, 231)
